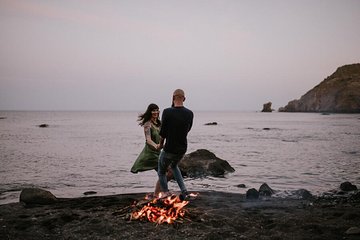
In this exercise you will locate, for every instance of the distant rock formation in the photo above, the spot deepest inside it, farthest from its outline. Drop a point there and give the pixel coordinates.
(338, 93)
(267, 107)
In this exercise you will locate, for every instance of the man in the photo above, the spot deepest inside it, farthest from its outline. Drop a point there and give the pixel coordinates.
(176, 123)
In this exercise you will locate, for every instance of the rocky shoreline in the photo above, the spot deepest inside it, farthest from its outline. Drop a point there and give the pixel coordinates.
(210, 215)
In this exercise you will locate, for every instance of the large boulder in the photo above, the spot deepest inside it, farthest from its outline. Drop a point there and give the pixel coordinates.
(203, 163)
(36, 196)
(339, 93)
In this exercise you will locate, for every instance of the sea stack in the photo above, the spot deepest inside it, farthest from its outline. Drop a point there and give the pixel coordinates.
(267, 107)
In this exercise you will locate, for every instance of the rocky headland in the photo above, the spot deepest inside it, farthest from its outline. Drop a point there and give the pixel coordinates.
(338, 93)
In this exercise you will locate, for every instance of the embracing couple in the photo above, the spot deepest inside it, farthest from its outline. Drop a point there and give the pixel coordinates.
(170, 135)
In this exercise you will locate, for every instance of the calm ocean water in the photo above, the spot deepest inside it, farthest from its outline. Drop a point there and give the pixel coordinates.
(94, 151)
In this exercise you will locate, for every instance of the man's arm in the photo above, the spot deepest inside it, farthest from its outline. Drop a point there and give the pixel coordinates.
(191, 121)
(163, 130)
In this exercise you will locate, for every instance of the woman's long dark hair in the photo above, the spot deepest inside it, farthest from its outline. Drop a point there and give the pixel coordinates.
(146, 116)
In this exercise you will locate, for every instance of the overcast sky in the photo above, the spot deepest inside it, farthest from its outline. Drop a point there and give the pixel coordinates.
(123, 55)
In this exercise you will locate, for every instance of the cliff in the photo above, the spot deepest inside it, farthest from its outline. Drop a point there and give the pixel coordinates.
(338, 93)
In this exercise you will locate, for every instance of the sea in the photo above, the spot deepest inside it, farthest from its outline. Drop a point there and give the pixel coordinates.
(82, 151)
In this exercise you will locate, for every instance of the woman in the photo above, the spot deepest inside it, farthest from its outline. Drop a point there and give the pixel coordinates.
(148, 158)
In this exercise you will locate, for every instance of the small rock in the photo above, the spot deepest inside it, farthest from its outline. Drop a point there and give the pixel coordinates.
(353, 231)
(265, 190)
(89, 193)
(241, 185)
(252, 193)
(44, 125)
(211, 123)
(303, 194)
(266, 128)
(347, 186)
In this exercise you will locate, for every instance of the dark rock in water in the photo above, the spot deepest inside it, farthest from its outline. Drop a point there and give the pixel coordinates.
(241, 185)
(204, 163)
(267, 107)
(252, 193)
(1, 118)
(347, 186)
(265, 190)
(267, 129)
(44, 125)
(89, 193)
(211, 123)
(36, 196)
(338, 93)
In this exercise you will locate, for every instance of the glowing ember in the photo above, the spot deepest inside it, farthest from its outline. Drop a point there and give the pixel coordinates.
(161, 210)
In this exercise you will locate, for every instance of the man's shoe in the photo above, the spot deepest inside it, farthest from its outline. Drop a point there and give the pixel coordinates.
(184, 196)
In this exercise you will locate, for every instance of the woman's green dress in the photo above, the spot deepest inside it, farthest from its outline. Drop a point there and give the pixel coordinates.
(148, 158)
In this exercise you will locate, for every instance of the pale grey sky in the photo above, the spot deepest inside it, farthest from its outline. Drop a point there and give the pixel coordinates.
(122, 55)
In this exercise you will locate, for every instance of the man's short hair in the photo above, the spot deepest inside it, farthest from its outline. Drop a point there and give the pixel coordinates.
(179, 93)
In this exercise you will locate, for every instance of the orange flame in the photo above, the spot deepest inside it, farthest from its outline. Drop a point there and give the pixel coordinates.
(161, 210)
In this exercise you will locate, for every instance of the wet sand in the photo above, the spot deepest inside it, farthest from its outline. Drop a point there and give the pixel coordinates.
(211, 215)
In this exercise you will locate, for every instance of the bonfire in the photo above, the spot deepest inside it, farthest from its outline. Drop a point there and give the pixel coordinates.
(161, 210)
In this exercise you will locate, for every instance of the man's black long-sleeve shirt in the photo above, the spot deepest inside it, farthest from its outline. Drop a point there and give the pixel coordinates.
(176, 122)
